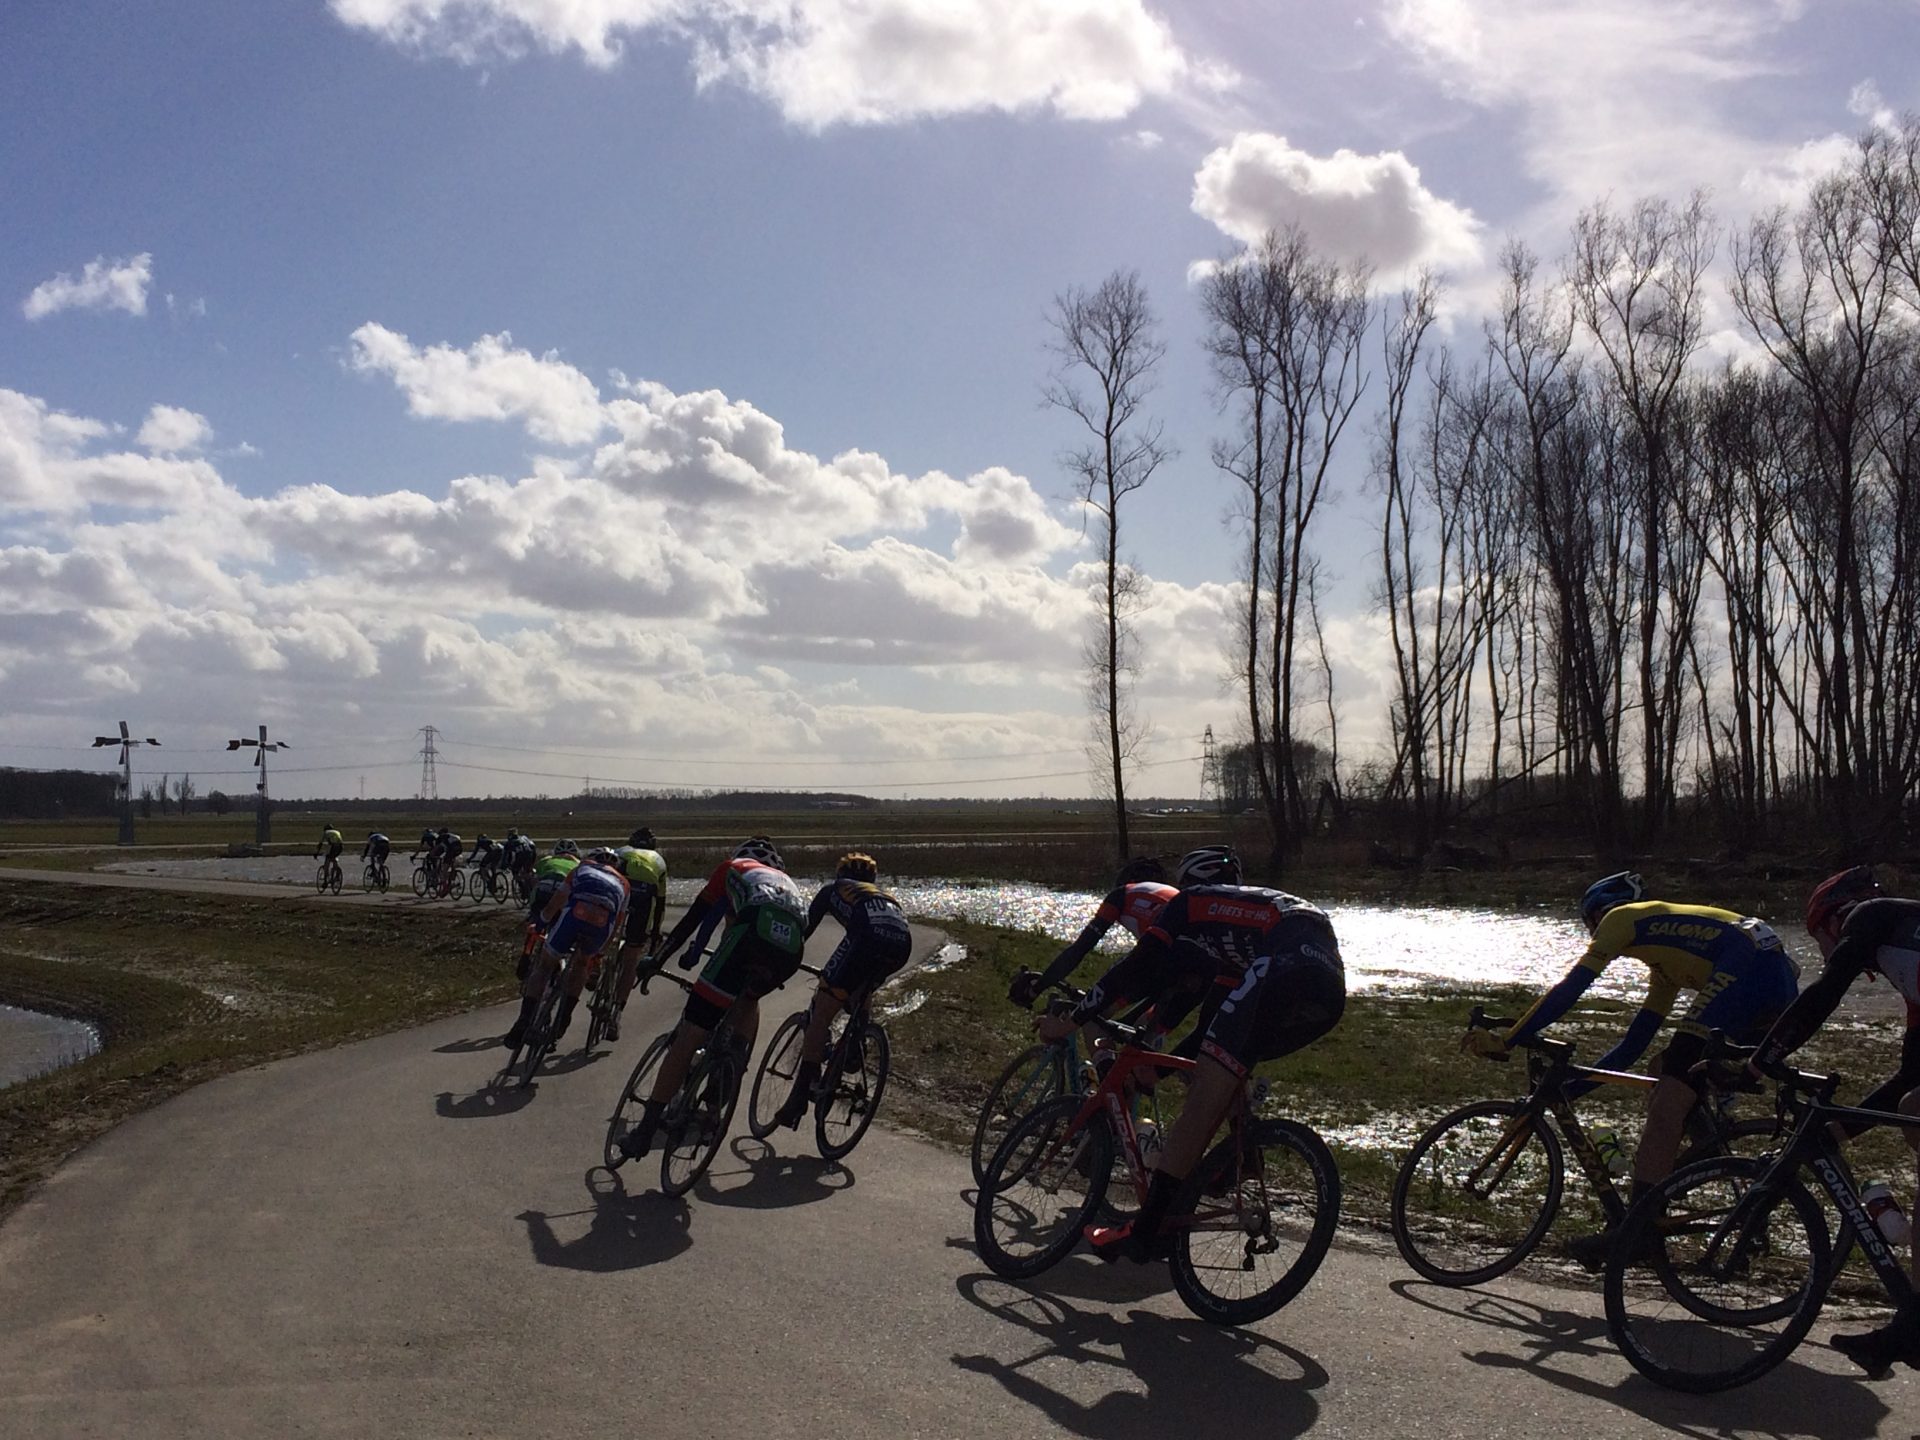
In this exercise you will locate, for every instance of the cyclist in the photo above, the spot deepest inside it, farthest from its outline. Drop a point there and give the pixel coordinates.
(646, 874)
(1742, 978)
(877, 944)
(1138, 896)
(582, 918)
(1265, 969)
(757, 954)
(487, 855)
(1862, 931)
(451, 846)
(332, 844)
(519, 853)
(375, 851)
(548, 876)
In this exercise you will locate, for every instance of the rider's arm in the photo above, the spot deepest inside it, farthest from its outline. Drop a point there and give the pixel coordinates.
(1555, 1003)
(1887, 1096)
(1633, 1044)
(689, 922)
(558, 902)
(1137, 973)
(817, 911)
(1814, 1004)
(659, 908)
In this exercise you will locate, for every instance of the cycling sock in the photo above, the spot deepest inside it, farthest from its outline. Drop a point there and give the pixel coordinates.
(1161, 1191)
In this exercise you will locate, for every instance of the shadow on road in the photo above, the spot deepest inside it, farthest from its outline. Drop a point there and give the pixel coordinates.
(482, 1104)
(759, 1179)
(471, 1046)
(624, 1232)
(568, 1062)
(1165, 1372)
(1794, 1400)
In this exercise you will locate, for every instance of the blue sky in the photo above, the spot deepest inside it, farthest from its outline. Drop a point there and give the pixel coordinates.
(841, 220)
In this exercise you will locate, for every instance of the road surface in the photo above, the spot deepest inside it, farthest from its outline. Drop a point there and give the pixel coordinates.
(372, 1241)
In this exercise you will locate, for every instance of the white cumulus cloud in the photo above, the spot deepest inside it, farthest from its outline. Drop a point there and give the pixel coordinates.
(489, 380)
(102, 284)
(829, 62)
(1351, 206)
(169, 429)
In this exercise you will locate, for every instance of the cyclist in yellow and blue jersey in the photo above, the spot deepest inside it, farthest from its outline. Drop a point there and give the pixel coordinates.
(1742, 979)
(646, 872)
(330, 842)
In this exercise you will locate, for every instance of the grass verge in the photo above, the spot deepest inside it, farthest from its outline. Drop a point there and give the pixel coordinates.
(185, 988)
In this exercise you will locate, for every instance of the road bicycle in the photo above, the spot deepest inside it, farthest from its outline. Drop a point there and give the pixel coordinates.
(435, 878)
(373, 876)
(327, 877)
(1036, 1075)
(695, 1121)
(853, 1076)
(489, 882)
(603, 983)
(1740, 1250)
(542, 1030)
(1249, 1227)
(1483, 1184)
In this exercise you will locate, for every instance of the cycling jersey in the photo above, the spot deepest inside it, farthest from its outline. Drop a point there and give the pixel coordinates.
(331, 842)
(378, 847)
(878, 940)
(1133, 907)
(1880, 937)
(1684, 946)
(593, 903)
(556, 867)
(646, 873)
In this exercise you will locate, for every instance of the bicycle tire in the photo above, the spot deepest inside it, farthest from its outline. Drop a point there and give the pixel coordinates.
(632, 1096)
(1690, 1351)
(1037, 1069)
(853, 1091)
(457, 885)
(540, 1039)
(597, 1015)
(334, 878)
(1760, 1134)
(420, 881)
(780, 1060)
(320, 879)
(712, 1091)
(1420, 1202)
(367, 883)
(1262, 1219)
(1038, 1150)
(497, 888)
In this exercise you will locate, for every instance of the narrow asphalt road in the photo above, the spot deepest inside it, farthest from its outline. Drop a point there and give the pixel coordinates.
(374, 1241)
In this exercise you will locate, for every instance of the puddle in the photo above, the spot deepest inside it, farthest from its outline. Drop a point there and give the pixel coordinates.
(32, 1044)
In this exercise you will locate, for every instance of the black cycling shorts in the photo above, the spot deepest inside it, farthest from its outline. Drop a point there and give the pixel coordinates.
(1286, 1001)
(863, 962)
(543, 892)
(640, 915)
(745, 963)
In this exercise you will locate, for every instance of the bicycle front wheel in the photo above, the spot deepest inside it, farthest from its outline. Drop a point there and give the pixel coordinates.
(334, 878)
(711, 1093)
(856, 1080)
(1031, 1078)
(632, 1096)
(1263, 1213)
(1477, 1193)
(320, 880)
(457, 884)
(1041, 1189)
(1716, 1279)
(773, 1081)
(540, 1033)
(420, 879)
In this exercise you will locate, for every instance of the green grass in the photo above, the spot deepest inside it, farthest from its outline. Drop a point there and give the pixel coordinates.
(189, 987)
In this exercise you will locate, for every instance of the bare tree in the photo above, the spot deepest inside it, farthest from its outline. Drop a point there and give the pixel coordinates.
(183, 792)
(1106, 344)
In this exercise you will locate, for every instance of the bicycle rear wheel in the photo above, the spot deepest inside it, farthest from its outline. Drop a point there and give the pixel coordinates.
(706, 1104)
(334, 878)
(773, 1081)
(457, 885)
(855, 1081)
(539, 1043)
(420, 879)
(1477, 1193)
(632, 1095)
(1031, 1078)
(1261, 1222)
(1714, 1282)
(497, 887)
(1042, 1187)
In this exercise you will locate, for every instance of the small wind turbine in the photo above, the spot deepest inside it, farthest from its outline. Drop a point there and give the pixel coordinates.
(126, 742)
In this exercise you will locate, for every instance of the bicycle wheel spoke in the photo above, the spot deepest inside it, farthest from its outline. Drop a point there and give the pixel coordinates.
(1476, 1194)
(1042, 1188)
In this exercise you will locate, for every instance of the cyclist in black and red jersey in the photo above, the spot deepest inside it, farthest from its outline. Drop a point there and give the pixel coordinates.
(1136, 900)
(877, 944)
(1264, 968)
(1861, 931)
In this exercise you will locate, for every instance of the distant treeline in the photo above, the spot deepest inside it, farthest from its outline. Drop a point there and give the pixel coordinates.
(56, 794)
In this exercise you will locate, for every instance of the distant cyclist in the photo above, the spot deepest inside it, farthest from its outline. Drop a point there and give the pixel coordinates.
(646, 873)
(487, 855)
(450, 848)
(1742, 979)
(518, 853)
(375, 851)
(582, 919)
(1139, 894)
(331, 843)
(757, 954)
(877, 944)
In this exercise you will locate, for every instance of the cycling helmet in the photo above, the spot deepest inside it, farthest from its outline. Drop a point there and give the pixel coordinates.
(565, 847)
(1140, 869)
(762, 849)
(1621, 889)
(601, 855)
(857, 866)
(1833, 897)
(642, 838)
(1209, 865)
(512, 833)
(483, 841)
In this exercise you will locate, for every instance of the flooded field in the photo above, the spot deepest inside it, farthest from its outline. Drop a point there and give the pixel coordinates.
(32, 1044)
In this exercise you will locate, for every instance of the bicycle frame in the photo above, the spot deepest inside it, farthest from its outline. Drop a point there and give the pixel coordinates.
(1114, 1097)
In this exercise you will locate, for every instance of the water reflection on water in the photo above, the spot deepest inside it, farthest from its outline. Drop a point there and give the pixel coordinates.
(32, 1044)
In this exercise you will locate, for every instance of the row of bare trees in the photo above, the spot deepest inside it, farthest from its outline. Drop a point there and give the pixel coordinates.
(1647, 542)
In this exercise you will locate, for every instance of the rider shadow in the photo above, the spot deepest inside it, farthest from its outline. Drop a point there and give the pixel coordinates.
(1794, 1399)
(626, 1232)
(471, 1046)
(1185, 1367)
(570, 1061)
(1083, 1277)
(765, 1180)
(482, 1104)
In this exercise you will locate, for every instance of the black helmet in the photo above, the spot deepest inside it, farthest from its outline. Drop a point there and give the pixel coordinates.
(1140, 869)
(641, 837)
(1209, 865)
